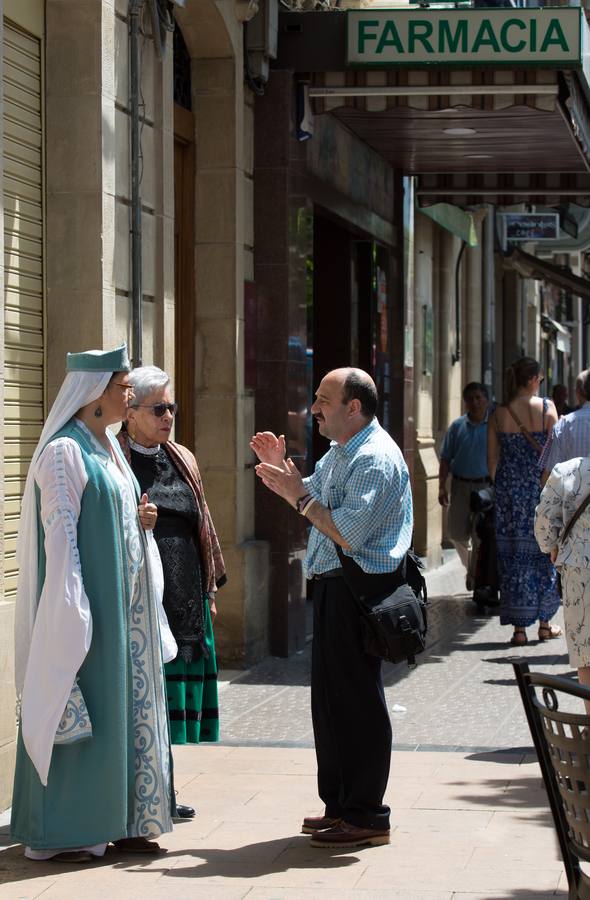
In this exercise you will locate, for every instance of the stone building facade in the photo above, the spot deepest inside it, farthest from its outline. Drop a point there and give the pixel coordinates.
(65, 148)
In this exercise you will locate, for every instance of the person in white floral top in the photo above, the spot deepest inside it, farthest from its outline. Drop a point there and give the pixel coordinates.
(565, 490)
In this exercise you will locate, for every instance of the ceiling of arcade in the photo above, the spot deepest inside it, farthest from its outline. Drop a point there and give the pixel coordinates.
(429, 126)
(478, 127)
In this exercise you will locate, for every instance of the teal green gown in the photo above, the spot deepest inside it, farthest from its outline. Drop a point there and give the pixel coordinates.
(116, 784)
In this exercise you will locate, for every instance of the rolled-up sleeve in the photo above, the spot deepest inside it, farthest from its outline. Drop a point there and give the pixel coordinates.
(368, 496)
(549, 513)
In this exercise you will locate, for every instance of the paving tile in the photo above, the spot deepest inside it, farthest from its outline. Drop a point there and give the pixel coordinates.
(474, 880)
(26, 889)
(515, 854)
(508, 894)
(459, 821)
(262, 893)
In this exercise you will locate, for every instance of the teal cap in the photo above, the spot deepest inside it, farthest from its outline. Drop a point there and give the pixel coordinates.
(99, 361)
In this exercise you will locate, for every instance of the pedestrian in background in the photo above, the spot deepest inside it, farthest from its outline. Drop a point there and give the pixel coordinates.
(570, 438)
(565, 496)
(358, 497)
(464, 455)
(517, 431)
(191, 557)
(559, 395)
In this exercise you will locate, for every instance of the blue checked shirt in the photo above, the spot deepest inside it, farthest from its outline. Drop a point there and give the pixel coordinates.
(570, 438)
(366, 485)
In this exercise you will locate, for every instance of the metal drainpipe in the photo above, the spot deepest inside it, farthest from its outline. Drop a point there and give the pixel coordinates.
(489, 300)
(135, 11)
(457, 354)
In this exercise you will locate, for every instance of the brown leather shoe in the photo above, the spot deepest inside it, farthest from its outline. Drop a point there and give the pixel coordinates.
(311, 824)
(345, 835)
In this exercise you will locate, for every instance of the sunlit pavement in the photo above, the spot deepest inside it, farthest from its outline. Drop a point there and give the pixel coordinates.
(470, 819)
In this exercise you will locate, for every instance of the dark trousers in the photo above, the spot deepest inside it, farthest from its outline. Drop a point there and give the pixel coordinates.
(350, 719)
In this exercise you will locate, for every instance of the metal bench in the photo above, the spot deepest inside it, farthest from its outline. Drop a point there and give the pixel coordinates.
(562, 742)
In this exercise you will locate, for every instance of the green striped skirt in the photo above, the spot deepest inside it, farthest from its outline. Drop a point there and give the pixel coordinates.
(192, 694)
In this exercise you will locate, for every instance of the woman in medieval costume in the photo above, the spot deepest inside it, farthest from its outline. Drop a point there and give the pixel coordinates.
(93, 754)
(191, 556)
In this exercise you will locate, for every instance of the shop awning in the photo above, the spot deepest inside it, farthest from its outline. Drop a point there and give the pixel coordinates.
(454, 219)
(505, 188)
(561, 335)
(475, 124)
(529, 266)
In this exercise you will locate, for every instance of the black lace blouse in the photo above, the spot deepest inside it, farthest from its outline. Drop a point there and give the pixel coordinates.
(176, 535)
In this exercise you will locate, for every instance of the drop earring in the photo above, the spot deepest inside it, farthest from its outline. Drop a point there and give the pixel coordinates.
(98, 412)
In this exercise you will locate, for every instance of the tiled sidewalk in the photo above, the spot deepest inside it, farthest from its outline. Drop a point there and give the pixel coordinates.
(464, 827)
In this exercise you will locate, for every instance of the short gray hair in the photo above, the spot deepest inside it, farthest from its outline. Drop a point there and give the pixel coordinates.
(145, 380)
(583, 384)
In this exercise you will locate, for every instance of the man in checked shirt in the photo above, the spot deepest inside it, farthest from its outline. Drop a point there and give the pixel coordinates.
(570, 437)
(359, 496)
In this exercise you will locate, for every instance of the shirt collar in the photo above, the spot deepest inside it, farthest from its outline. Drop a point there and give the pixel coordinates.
(477, 424)
(357, 440)
(146, 451)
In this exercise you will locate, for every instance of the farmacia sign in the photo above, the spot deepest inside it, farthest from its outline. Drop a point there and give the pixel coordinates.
(472, 36)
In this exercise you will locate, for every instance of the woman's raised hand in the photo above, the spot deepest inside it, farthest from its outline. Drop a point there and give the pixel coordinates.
(269, 448)
(148, 513)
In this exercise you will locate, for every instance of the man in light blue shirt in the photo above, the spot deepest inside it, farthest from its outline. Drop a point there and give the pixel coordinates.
(463, 455)
(570, 437)
(358, 497)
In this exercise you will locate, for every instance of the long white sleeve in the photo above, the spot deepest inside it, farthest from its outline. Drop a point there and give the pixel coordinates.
(63, 626)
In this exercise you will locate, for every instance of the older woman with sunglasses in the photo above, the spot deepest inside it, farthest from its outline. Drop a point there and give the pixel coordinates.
(191, 557)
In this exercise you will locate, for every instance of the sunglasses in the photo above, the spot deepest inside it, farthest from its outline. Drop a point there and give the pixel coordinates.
(159, 409)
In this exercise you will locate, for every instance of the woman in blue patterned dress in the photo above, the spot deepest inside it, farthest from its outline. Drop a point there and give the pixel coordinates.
(517, 431)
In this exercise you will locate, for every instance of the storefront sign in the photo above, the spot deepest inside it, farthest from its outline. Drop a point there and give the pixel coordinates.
(530, 226)
(464, 36)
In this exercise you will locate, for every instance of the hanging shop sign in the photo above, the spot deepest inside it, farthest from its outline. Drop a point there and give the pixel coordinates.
(530, 226)
(546, 36)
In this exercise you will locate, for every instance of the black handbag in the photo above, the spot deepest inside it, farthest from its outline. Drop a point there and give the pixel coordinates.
(392, 607)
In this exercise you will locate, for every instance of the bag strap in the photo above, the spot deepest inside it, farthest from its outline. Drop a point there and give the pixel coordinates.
(525, 432)
(566, 531)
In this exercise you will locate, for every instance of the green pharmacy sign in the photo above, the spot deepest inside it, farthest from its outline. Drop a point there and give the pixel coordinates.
(469, 37)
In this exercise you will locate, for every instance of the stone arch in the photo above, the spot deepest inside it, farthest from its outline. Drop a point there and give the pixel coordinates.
(204, 29)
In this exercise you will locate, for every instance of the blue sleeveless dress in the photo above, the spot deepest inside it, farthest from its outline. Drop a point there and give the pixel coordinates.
(528, 580)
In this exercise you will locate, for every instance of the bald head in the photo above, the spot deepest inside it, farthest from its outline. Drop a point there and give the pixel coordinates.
(358, 385)
(346, 401)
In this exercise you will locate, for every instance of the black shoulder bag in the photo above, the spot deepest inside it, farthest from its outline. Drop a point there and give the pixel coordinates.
(392, 608)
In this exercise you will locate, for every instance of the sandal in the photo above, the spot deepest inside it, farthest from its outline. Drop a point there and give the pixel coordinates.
(519, 638)
(548, 632)
(137, 845)
(74, 857)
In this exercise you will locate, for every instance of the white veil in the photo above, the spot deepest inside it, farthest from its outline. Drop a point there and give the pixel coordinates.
(78, 389)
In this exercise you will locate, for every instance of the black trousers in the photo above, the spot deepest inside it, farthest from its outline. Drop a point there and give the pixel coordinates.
(350, 719)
